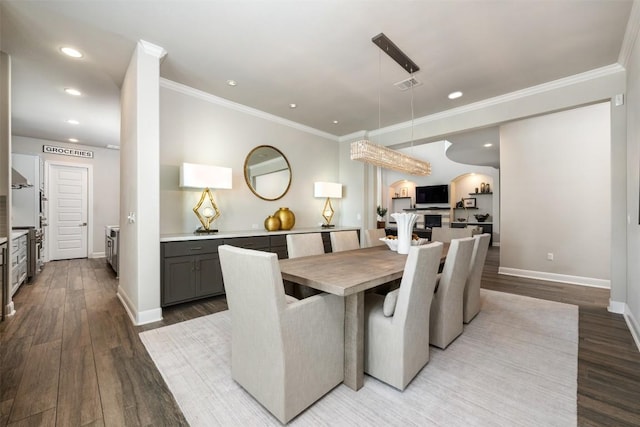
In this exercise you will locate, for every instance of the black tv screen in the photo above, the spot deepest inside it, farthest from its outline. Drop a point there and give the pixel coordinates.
(432, 194)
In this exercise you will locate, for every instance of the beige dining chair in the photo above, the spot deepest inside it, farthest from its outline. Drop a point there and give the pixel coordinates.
(472, 288)
(396, 334)
(447, 306)
(306, 244)
(446, 234)
(344, 240)
(372, 237)
(287, 356)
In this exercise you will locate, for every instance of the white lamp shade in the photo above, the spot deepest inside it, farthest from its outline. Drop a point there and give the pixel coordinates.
(327, 189)
(204, 176)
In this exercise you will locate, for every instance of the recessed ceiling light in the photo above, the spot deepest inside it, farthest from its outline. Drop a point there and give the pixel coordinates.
(232, 83)
(72, 91)
(292, 105)
(73, 140)
(488, 144)
(335, 122)
(73, 122)
(69, 51)
(454, 95)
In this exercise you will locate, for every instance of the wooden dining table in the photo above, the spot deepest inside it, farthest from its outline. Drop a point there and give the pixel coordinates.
(348, 274)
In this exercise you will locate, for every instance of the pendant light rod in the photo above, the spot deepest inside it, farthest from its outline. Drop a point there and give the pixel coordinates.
(389, 47)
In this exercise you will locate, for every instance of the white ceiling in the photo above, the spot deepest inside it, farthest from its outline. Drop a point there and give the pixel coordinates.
(317, 54)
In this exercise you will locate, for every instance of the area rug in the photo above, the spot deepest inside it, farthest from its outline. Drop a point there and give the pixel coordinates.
(514, 365)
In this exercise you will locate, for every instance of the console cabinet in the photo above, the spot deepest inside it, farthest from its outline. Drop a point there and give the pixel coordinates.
(191, 268)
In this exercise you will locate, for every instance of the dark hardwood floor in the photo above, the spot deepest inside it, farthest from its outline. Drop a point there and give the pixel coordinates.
(71, 357)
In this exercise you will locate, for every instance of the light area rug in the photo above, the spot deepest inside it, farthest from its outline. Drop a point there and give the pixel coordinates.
(514, 365)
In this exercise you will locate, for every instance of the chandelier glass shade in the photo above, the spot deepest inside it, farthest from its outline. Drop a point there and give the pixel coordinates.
(379, 155)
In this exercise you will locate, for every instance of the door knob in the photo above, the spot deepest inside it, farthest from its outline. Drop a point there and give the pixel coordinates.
(84, 224)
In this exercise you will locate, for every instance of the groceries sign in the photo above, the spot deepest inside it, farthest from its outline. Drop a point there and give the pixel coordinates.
(63, 151)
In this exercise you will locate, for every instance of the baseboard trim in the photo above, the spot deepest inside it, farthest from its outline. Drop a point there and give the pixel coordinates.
(9, 308)
(138, 318)
(632, 323)
(97, 255)
(553, 277)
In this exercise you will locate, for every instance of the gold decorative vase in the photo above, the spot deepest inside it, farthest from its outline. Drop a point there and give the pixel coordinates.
(272, 223)
(286, 217)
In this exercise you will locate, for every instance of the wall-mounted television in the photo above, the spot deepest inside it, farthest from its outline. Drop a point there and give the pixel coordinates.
(432, 194)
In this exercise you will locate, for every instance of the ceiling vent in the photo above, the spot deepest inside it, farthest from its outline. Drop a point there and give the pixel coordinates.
(408, 83)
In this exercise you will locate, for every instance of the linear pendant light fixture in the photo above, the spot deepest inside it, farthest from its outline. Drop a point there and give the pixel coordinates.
(379, 155)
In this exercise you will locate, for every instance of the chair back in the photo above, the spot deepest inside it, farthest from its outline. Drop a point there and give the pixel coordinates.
(255, 296)
(447, 234)
(299, 245)
(446, 317)
(416, 289)
(344, 240)
(372, 237)
(476, 265)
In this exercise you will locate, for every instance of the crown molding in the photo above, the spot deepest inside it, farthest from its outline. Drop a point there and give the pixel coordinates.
(361, 134)
(512, 96)
(152, 49)
(630, 34)
(213, 99)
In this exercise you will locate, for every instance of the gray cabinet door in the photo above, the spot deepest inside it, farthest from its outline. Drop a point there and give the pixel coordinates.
(209, 275)
(179, 279)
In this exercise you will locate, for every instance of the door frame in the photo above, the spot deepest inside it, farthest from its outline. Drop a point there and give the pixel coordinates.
(90, 226)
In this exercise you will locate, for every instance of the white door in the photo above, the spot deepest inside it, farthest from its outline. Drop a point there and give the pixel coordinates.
(68, 211)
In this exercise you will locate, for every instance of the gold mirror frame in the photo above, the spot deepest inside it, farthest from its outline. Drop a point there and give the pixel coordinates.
(270, 156)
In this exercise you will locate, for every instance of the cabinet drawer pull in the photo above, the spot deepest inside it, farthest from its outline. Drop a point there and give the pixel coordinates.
(196, 248)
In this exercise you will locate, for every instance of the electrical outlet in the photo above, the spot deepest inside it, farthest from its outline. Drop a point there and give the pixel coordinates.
(550, 256)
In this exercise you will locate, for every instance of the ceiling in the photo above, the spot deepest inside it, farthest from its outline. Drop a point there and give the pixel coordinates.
(316, 54)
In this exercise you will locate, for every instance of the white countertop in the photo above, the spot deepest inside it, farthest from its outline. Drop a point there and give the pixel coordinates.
(245, 233)
(17, 233)
(14, 235)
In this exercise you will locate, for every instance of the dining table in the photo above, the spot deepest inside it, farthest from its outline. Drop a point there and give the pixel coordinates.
(348, 274)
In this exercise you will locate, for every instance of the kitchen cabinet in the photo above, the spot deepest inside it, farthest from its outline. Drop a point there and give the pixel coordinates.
(25, 201)
(18, 261)
(3, 264)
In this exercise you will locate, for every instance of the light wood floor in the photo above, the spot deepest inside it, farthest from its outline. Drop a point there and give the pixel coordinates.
(70, 356)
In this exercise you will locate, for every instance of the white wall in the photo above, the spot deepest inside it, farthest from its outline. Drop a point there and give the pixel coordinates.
(106, 181)
(199, 128)
(139, 258)
(630, 299)
(556, 181)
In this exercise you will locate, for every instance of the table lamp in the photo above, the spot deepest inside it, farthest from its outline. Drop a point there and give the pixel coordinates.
(208, 177)
(328, 190)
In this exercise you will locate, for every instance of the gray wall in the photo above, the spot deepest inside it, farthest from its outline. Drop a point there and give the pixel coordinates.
(199, 128)
(555, 172)
(632, 292)
(106, 181)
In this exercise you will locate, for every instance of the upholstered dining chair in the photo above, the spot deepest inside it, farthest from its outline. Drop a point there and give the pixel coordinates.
(344, 240)
(446, 234)
(287, 356)
(396, 334)
(472, 288)
(372, 237)
(447, 305)
(306, 244)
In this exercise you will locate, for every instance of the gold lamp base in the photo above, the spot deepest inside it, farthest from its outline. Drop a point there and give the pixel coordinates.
(209, 212)
(327, 213)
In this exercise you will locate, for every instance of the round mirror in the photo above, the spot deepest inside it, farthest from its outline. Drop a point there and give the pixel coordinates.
(267, 172)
